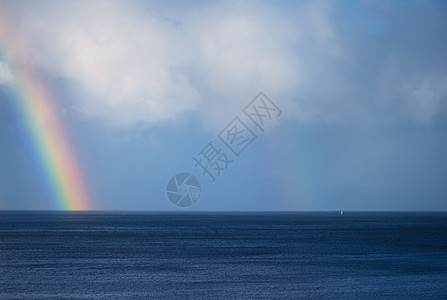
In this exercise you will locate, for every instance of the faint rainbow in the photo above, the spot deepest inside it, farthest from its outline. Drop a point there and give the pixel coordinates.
(47, 134)
(279, 153)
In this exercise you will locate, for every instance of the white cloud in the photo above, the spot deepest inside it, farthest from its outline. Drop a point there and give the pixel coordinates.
(132, 67)
(130, 63)
(6, 76)
(126, 64)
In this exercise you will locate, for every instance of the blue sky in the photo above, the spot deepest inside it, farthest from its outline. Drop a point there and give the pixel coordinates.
(143, 86)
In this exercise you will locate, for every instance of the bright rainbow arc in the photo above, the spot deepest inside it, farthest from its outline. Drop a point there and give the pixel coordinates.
(49, 139)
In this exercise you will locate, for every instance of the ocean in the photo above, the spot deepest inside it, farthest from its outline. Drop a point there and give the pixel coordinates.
(302, 255)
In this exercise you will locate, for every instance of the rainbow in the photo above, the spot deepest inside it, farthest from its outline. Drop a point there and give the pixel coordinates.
(48, 140)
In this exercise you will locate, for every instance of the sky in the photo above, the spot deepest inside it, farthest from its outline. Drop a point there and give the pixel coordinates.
(103, 102)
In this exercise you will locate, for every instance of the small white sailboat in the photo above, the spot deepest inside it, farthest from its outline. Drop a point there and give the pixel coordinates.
(341, 212)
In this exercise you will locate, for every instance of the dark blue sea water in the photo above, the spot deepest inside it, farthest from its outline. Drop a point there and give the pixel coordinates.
(107, 255)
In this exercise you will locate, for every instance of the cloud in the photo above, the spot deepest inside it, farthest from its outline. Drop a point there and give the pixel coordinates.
(126, 65)
(6, 76)
(129, 66)
(131, 63)
(424, 96)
